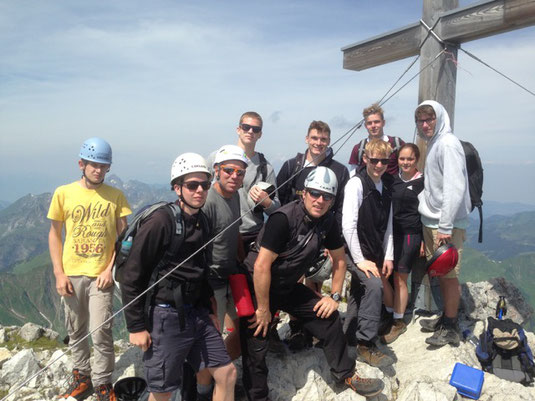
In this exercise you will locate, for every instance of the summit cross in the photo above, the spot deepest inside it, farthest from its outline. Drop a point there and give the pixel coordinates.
(450, 24)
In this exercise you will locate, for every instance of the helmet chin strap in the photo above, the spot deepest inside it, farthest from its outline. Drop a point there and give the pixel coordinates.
(181, 198)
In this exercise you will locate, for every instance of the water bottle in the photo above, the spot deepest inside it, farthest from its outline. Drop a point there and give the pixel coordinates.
(126, 245)
(501, 308)
(468, 336)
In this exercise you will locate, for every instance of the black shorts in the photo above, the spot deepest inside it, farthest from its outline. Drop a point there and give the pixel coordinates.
(406, 250)
(200, 344)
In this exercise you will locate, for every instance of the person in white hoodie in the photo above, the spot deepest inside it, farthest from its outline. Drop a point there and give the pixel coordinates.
(444, 207)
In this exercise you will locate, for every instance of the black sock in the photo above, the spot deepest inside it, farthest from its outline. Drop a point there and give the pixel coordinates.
(450, 322)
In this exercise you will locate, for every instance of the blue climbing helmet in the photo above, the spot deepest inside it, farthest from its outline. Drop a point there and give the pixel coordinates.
(96, 150)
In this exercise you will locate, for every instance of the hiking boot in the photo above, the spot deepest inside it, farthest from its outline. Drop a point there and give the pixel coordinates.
(80, 387)
(398, 328)
(387, 320)
(431, 325)
(364, 386)
(297, 340)
(444, 335)
(105, 392)
(371, 355)
(275, 346)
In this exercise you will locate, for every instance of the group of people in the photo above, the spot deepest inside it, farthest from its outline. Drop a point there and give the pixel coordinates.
(373, 222)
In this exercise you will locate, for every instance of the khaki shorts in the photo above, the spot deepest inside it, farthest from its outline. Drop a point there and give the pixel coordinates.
(225, 304)
(458, 237)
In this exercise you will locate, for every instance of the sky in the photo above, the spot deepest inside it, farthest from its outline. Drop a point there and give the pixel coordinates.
(159, 78)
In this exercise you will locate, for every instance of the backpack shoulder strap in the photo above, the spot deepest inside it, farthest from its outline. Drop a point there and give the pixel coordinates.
(397, 143)
(362, 146)
(299, 162)
(263, 166)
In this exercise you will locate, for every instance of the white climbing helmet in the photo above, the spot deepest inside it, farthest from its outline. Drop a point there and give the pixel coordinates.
(323, 179)
(320, 270)
(189, 163)
(230, 152)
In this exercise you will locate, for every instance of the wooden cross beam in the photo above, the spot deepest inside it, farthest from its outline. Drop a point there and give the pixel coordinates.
(454, 26)
(451, 26)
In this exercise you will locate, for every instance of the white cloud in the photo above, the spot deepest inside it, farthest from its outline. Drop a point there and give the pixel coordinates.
(163, 77)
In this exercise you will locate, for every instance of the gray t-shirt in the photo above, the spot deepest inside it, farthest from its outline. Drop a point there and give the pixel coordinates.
(253, 219)
(223, 213)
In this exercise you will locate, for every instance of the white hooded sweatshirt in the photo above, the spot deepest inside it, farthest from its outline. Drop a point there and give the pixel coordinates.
(445, 200)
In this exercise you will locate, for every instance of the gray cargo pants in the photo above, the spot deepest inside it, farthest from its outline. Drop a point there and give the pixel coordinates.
(363, 307)
(85, 310)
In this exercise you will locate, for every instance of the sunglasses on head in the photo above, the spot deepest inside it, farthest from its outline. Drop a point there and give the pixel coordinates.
(231, 170)
(193, 185)
(246, 127)
(316, 194)
(374, 161)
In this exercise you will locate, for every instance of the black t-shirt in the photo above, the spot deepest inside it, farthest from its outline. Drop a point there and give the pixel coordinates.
(405, 205)
(277, 235)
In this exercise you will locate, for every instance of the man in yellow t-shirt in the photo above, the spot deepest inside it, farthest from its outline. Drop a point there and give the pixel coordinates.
(92, 215)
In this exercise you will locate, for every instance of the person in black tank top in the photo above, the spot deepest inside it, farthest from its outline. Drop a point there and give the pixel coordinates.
(407, 233)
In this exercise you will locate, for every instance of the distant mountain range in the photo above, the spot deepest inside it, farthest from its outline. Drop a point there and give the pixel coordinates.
(504, 236)
(24, 226)
(28, 287)
(492, 208)
(24, 229)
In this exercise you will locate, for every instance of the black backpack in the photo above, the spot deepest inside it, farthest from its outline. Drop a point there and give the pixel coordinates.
(504, 351)
(125, 239)
(474, 169)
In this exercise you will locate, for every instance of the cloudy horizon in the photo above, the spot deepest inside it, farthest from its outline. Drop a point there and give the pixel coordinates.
(160, 78)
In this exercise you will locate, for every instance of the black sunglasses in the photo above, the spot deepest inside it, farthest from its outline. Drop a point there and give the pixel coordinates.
(316, 194)
(193, 185)
(374, 161)
(246, 127)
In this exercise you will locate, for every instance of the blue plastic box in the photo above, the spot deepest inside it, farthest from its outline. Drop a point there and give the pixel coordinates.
(467, 380)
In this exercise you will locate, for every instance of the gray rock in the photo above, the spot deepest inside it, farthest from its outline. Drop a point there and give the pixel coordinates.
(31, 332)
(4, 338)
(51, 334)
(60, 366)
(479, 300)
(19, 368)
(5, 355)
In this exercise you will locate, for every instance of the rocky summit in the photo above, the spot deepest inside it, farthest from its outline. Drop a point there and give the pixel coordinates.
(419, 373)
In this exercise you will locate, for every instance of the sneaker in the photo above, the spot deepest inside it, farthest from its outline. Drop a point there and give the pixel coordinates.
(363, 386)
(105, 392)
(444, 335)
(431, 325)
(371, 355)
(398, 328)
(80, 387)
(387, 320)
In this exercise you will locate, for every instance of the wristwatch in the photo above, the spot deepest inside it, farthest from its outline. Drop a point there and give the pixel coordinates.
(336, 296)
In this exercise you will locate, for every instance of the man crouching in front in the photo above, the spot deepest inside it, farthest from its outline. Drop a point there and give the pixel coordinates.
(285, 248)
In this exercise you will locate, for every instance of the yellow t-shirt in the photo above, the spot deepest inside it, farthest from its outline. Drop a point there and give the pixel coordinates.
(89, 217)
